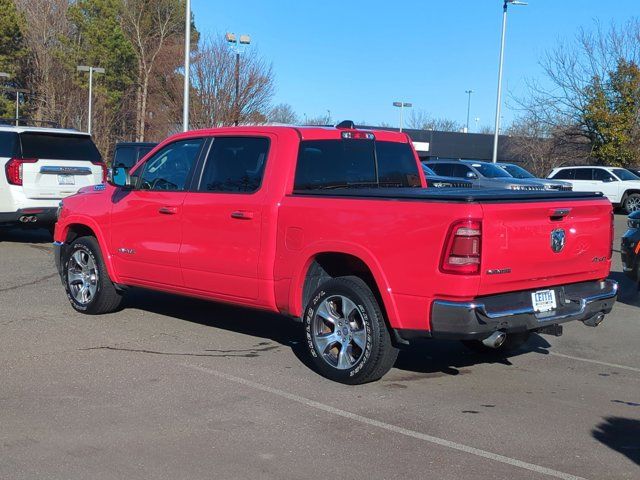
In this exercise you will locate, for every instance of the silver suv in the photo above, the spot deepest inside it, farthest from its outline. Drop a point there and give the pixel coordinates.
(482, 174)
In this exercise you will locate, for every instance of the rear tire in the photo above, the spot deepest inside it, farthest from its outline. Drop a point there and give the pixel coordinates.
(346, 333)
(513, 342)
(632, 203)
(86, 280)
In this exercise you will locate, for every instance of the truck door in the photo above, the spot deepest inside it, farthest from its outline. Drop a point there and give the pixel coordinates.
(146, 228)
(222, 219)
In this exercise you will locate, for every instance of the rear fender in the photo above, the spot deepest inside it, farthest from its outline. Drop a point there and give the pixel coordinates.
(312, 251)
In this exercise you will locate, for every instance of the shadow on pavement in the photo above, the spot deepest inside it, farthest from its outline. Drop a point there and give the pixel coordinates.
(428, 357)
(620, 434)
(25, 235)
(629, 292)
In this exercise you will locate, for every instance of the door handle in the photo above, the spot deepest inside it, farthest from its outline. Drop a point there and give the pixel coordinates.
(168, 210)
(242, 215)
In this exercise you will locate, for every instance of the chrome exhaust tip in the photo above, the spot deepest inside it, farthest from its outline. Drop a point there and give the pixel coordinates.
(595, 320)
(28, 219)
(495, 340)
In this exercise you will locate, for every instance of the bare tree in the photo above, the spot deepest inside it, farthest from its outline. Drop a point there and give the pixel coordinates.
(213, 77)
(421, 120)
(48, 75)
(149, 26)
(283, 113)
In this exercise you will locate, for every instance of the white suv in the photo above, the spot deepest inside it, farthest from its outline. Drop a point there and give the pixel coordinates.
(619, 185)
(40, 166)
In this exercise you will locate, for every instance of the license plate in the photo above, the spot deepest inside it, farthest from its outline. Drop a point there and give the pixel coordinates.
(544, 300)
(66, 180)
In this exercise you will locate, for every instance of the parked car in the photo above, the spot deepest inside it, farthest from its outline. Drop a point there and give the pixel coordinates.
(481, 174)
(127, 154)
(334, 227)
(619, 185)
(42, 166)
(630, 247)
(516, 171)
(436, 181)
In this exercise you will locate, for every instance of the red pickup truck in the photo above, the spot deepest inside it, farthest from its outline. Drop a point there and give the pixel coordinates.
(335, 227)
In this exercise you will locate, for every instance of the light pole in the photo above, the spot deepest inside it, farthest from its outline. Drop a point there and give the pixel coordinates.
(402, 106)
(17, 91)
(504, 29)
(243, 40)
(187, 64)
(468, 92)
(91, 70)
(477, 119)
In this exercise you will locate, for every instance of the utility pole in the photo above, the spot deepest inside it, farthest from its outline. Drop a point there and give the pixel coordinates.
(91, 70)
(243, 40)
(187, 64)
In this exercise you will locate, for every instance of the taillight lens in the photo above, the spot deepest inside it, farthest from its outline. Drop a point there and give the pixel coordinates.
(13, 169)
(463, 248)
(104, 170)
(611, 234)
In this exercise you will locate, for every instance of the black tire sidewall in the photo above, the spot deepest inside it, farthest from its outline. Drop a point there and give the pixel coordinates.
(86, 245)
(371, 316)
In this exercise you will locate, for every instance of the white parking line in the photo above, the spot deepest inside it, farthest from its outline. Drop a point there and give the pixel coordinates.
(588, 360)
(387, 426)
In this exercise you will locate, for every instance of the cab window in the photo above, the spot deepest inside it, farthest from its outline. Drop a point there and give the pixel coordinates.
(602, 175)
(170, 168)
(584, 174)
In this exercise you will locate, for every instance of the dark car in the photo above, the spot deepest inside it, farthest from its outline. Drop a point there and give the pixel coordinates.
(437, 181)
(127, 154)
(630, 247)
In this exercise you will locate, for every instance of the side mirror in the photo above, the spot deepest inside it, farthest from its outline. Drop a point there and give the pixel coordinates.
(472, 175)
(609, 180)
(119, 177)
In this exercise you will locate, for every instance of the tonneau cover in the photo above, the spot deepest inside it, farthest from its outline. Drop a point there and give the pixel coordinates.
(471, 195)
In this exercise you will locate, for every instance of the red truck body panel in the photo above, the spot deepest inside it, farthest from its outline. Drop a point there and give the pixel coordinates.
(256, 249)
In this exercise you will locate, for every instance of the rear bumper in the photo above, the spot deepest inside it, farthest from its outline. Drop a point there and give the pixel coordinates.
(513, 312)
(30, 216)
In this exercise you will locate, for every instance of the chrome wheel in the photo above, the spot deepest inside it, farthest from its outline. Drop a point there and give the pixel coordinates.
(82, 277)
(339, 332)
(632, 203)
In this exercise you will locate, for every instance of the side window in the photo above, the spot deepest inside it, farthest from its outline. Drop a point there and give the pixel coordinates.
(235, 164)
(442, 169)
(125, 157)
(584, 173)
(169, 169)
(566, 174)
(602, 175)
(8, 144)
(460, 170)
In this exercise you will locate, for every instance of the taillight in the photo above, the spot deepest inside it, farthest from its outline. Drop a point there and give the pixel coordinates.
(104, 170)
(463, 248)
(13, 169)
(611, 234)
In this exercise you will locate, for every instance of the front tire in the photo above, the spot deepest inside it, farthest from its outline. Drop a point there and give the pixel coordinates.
(632, 203)
(346, 333)
(86, 280)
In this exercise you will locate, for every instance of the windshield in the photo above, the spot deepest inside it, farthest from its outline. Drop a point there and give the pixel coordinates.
(490, 171)
(517, 171)
(623, 174)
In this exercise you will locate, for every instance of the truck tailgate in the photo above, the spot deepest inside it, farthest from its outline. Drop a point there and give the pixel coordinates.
(519, 251)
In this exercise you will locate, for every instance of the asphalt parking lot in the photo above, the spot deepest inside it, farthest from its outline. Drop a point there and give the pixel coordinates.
(177, 388)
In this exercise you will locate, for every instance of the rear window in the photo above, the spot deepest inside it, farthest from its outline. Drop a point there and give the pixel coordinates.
(324, 164)
(8, 144)
(58, 147)
(566, 174)
(125, 157)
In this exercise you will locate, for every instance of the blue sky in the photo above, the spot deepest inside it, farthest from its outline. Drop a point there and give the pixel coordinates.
(355, 58)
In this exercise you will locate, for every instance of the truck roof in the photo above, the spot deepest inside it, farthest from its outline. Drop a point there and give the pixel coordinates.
(66, 131)
(304, 132)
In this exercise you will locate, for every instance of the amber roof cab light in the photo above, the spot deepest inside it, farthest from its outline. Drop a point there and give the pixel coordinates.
(463, 248)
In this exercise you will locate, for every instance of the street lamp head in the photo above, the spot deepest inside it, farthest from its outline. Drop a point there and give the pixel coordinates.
(515, 2)
(231, 37)
(468, 91)
(397, 104)
(402, 104)
(245, 39)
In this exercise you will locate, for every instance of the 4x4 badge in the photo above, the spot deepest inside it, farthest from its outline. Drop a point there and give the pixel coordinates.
(558, 238)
